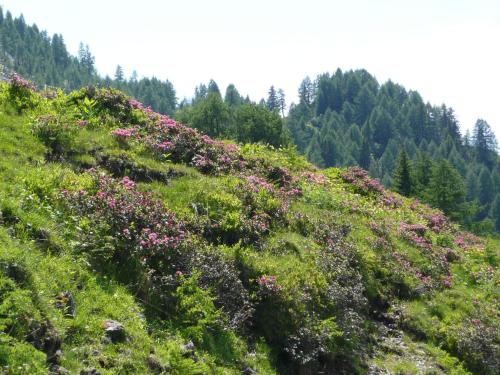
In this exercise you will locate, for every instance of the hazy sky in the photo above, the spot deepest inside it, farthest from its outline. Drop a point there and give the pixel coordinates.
(448, 50)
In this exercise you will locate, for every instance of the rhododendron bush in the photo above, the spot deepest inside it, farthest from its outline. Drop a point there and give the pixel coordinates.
(130, 228)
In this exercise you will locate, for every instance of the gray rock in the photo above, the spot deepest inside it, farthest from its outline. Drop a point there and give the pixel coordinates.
(114, 330)
(90, 371)
(249, 371)
(188, 347)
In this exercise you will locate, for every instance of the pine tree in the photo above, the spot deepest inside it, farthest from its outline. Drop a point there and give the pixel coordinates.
(306, 91)
(119, 75)
(402, 175)
(134, 77)
(272, 100)
(485, 143)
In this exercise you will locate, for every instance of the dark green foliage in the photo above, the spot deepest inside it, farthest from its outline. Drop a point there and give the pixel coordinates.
(402, 180)
(495, 211)
(364, 155)
(210, 115)
(484, 142)
(446, 190)
(272, 102)
(232, 97)
(389, 118)
(253, 123)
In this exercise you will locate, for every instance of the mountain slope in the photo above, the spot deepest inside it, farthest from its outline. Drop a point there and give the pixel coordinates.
(349, 118)
(132, 244)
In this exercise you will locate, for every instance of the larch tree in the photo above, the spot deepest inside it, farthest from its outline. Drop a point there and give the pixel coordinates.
(402, 181)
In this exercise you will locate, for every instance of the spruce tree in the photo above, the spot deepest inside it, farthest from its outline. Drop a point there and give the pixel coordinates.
(402, 175)
(272, 100)
(119, 75)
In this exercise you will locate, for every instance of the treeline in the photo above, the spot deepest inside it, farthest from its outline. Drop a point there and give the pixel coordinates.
(348, 118)
(234, 116)
(46, 61)
(341, 119)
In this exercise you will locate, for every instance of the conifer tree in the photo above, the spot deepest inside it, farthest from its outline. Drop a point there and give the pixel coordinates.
(213, 88)
(119, 75)
(446, 190)
(402, 175)
(232, 97)
(313, 152)
(272, 100)
(364, 155)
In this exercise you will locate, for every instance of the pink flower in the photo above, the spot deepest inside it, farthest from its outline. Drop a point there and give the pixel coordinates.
(123, 133)
(128, 183)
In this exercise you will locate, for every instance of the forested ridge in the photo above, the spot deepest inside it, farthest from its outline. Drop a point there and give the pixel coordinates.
(341, 119)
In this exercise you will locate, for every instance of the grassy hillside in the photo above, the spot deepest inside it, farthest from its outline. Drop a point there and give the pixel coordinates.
(132, 244)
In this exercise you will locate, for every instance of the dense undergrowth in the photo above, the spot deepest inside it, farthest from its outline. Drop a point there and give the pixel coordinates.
(132, 244)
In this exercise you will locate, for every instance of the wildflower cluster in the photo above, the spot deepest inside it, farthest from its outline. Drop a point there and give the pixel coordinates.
(363, 184)
(21, 93)
(436, 222)
(268, 284)
(467, 241)
(163, 136)
(19, 83)
(390, 200)
(407, 267)
(415, 233)
(123, 133)
(138, 225)
(256, 183)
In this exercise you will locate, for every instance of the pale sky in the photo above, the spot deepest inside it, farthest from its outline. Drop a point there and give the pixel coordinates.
(448, 50)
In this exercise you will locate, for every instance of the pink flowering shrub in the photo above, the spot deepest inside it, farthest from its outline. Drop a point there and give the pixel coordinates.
(415, 233)
(436, 222)
(82, 123)
(21, 93)
(123, 133)
(163, 135)
(131, 228)
(467, 241)
(362, 183)
(256, 183)
(390, 200)
(268, 284)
